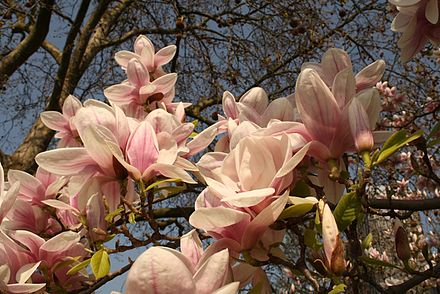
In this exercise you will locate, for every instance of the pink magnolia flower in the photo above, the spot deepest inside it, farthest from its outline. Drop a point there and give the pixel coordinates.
(138, 95)
(62, 122)
(143, 157)
(243, 197)
(335, 61)
(43, 186)
(164, 270)
(144, 52)
(53, 254)
(326, 113)
(7, 198)
(19, 283)
(253, 108)
(418, 20)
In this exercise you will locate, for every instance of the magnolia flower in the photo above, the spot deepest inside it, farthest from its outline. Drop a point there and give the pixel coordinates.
(144, 52)
(7, 198)
(244, 191)
(418, 21)
(335, 61)
(164, 270)
(254, 106)
(138, 95)
(62, 122)
(326, 113)
(19, 284)
(43, 186)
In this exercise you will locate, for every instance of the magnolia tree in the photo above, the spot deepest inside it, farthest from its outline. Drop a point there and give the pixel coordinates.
(282, 187)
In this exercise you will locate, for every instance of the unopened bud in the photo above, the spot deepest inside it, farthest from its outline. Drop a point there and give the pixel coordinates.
(402, 245)
(338, 261)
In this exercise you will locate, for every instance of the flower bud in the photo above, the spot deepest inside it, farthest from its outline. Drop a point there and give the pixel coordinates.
(402, 245)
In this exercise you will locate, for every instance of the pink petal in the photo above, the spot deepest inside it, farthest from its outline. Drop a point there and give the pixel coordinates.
(294, 161)
(71, 105)
(431, 11)
(359, 126)
(170, 171)
(216, 217)
(30, 240)
(123, 57)
(256, 99)
(370, 75)
(317, 106)
(26, 271)
(25, 288)
(250, 198)
(30, 187)
(137, 74)
(141, 42)
(7, 199)
(120, 94)
(191, 247)
(213, 273)
(262, 221)
(65, 161)
(280, 109)
(142, 147)
(165, 83)
(60, 242)
(229, 104)
(344, 87)
(334, 61)
(160, 270)
(55, 121)
(371, 103)
(164, 55)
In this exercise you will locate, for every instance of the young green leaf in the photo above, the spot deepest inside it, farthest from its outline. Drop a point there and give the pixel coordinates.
(394, 143)
(347, 210)
(78, 267)
(377, 262)
(338, 289)
(100, 262)
(366, 243)
(161, 182)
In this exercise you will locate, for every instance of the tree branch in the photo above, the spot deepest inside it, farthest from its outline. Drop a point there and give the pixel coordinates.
(11, 62)
(411, 205)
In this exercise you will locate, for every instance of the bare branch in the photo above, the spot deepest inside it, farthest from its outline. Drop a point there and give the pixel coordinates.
(11, 62)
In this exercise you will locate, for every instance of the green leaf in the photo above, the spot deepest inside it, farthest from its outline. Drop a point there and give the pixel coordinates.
(395, 142)
(434, 131)
(347, 210)
(301, 189)
(338, 289)
(310, 239)
(132, 218)
(78, 267)
(100, 262)
(366, 243)
(296, 210)
(376, 262)
(109, 217)
(161, 182)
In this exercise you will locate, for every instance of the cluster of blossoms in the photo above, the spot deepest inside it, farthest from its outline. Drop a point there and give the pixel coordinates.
(108, 153)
